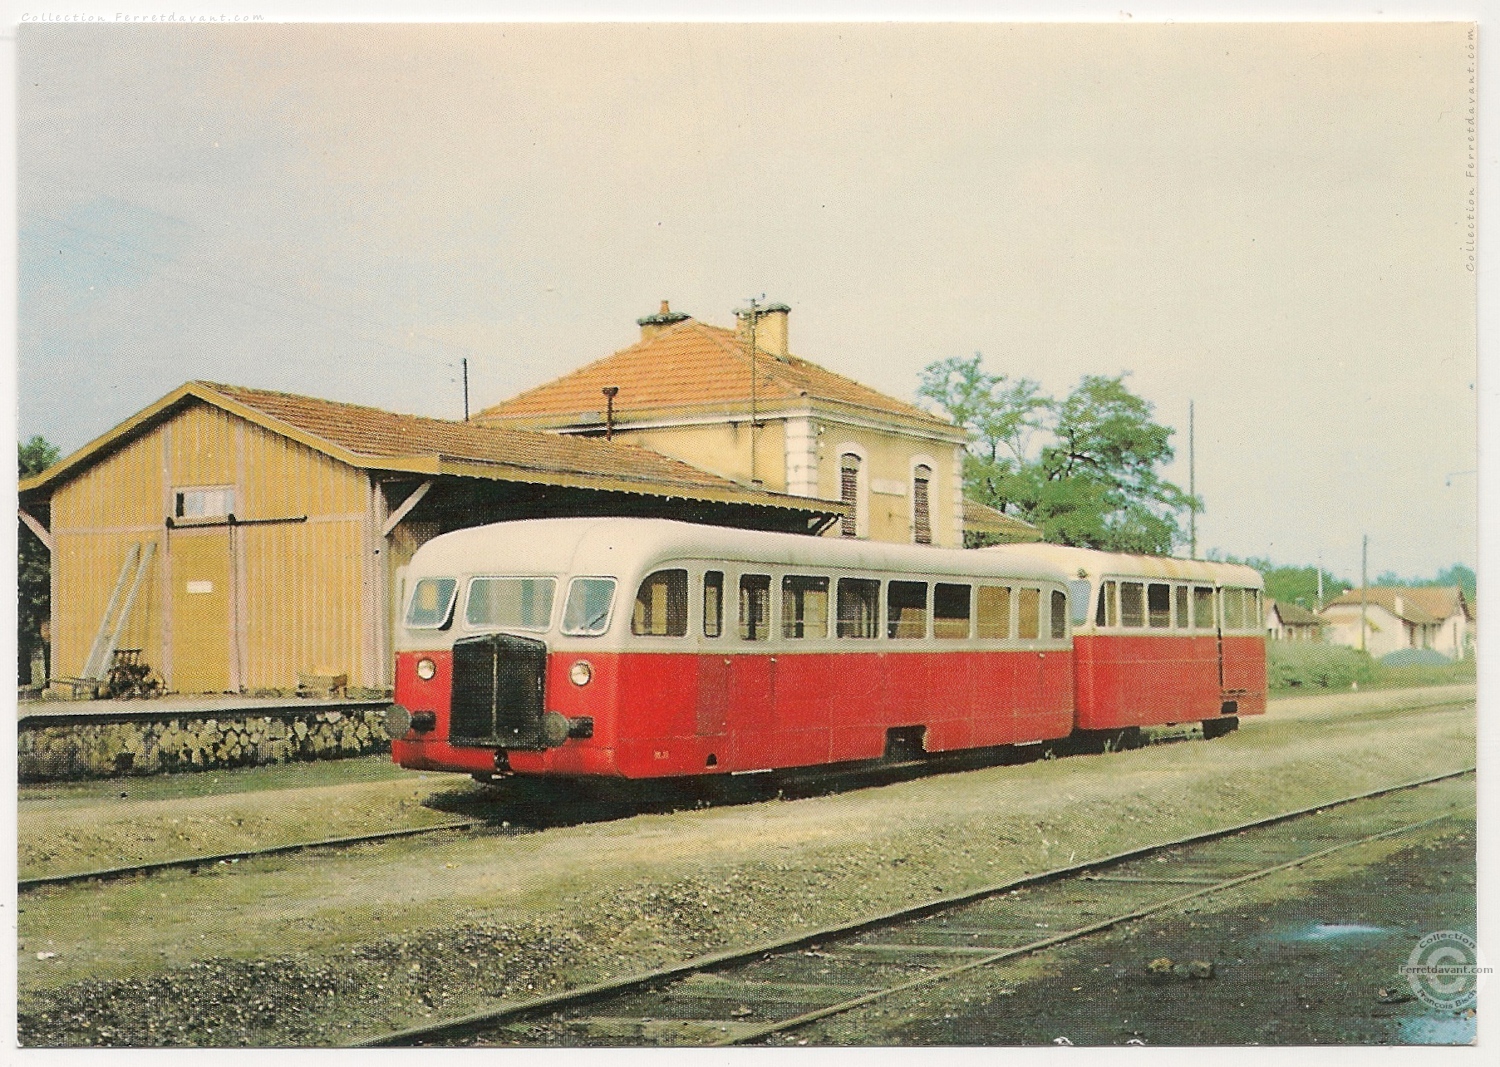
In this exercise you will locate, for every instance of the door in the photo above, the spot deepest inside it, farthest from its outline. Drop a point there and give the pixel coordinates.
(202, 611)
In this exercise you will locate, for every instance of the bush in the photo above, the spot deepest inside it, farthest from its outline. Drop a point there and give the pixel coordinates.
(1311, 665)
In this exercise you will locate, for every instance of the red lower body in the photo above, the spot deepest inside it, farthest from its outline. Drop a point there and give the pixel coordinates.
(666, 714)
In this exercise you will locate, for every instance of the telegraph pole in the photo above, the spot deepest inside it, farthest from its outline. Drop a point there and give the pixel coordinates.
(466, 388)
(754, 315)
(1364, 588)
(1192, 491)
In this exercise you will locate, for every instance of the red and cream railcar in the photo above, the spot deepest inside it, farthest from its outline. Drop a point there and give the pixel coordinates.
(643, 648)
(1159, 640)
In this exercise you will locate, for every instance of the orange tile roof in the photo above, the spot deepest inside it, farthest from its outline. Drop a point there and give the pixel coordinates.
(693, 368)
(372, 438)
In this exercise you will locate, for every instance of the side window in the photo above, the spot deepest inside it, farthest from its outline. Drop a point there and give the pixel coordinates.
(859, 607)
(755, 607)
(1203, 607)
(1059, 614)
(804, 606)
(713, 603)
(1029, 614)
(661, 605)
(1159, 604)
(1132, 604)
(994, 612)
(431, 605)
(906, 609)
(1109, 611)
(1256, 608)
(1183, 622)
(587, 611)
(950, 611)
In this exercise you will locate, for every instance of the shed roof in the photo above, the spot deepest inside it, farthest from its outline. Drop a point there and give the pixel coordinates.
(382, 440)
(687, 368)
(981, 518)
(1295, 614)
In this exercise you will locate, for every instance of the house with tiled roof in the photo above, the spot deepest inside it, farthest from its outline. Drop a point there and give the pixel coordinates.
(739, 403)
(1291, 622)
(238, 539)
(1397, 618)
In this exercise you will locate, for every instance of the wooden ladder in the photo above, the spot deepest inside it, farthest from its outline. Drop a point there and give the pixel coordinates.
(112, 626)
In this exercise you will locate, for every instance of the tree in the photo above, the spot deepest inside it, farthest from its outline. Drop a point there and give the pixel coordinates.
(1096, 479)
(34, 565)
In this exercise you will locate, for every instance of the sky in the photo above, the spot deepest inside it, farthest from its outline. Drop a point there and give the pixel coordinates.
(1270, 221)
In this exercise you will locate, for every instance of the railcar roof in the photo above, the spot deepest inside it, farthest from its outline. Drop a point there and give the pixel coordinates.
(624, 546)
(1093, 562)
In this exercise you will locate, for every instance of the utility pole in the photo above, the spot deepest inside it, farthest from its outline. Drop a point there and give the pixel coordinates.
(466, 388)
(1364, 588)
(1320, 580)
(1192, 490)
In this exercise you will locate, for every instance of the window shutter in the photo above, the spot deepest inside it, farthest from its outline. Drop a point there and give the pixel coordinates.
(921, 509)
(849, 493)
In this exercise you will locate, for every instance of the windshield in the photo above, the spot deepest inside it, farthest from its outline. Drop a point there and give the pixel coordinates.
(431, 603)
(514, 603)
(587, 610)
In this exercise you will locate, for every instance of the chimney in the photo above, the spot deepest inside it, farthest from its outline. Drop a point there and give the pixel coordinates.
(1400, 606)
(652, 325)
(770, 328)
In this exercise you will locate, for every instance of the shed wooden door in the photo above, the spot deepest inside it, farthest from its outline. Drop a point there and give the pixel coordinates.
(202, 616)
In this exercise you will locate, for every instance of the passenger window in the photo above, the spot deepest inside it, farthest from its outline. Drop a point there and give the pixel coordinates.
(586, 613)
(994, 612)
(1132, 604)
(431, 604)
(1203, 607)
(516, 603)
(906, 609)
(713, 603)
(950, 611)
(1159, 605)
(1059, 614)
(1029, 613)
(1181, 593)
(1109, 612)
(661, 605)
(859, 607)
(755, 607)
(804, 606)
(1234, 609)
(1254, 609)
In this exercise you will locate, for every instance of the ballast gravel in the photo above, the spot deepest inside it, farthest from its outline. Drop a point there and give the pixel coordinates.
(319, 951)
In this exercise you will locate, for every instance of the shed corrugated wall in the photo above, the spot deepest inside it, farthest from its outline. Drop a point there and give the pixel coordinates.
(300, 591)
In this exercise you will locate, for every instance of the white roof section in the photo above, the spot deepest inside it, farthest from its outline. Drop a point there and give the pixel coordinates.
(1092, 563)
(623, 548)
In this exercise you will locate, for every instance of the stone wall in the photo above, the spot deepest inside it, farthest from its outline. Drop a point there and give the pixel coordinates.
(56, 747)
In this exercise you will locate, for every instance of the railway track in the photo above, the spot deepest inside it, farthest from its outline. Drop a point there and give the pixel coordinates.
(756, 994)
(793, 782)
(187, 863)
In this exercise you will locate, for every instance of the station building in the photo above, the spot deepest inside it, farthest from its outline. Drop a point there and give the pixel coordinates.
(740, 404)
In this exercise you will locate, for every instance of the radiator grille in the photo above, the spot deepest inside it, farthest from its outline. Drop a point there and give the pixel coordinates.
(498, 697)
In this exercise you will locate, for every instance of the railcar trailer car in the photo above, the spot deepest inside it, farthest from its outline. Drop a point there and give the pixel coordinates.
(1158, 640)
(644, 648)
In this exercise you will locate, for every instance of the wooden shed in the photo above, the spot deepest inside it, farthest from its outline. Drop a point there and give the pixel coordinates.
(240, 538)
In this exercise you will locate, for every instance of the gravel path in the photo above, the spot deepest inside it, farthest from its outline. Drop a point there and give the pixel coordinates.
(312, 951)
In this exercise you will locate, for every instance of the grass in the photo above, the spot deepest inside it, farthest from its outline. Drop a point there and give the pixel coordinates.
(1302, 667)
